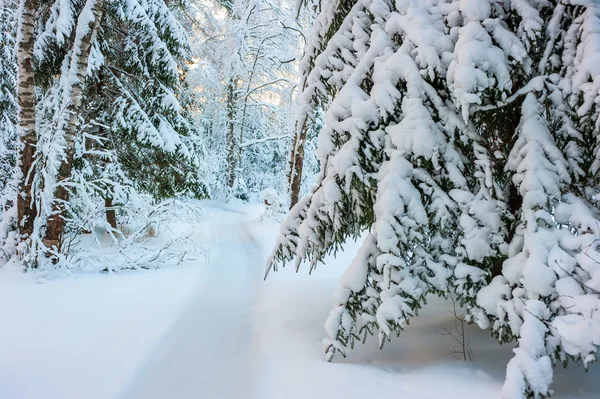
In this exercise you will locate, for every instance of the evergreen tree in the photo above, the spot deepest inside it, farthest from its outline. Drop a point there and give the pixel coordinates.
(115, 102)
(134, 76)
(8, 95)
(8, 125)
(101, 114)
(463, 135)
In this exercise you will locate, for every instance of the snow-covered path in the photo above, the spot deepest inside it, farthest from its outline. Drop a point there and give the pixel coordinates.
(209, 350)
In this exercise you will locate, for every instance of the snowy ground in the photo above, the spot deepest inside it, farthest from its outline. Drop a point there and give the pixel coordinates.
(216, 330)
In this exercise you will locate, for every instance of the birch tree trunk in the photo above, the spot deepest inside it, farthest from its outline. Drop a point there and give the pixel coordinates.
(86, 32)
(26, 210)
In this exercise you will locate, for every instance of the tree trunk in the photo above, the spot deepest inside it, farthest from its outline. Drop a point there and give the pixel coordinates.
(297, 159)
(111, 216)
(296, 162)
(500, 126)
(84, 38)
(231, 155)
(26, 210)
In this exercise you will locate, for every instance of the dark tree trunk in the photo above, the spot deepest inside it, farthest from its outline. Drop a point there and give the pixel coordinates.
(111, 216)
(231, 153)
(499, 128)
(296, 162)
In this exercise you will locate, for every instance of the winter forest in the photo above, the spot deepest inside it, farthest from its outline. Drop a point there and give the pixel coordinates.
(277, 199)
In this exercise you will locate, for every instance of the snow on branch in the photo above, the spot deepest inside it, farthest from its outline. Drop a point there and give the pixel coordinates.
(264, 140)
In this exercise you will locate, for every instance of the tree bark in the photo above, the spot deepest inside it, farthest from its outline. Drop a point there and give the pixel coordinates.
(231, 153)
(84, 38)
(26, 209)
(296, 163)
(111, 216)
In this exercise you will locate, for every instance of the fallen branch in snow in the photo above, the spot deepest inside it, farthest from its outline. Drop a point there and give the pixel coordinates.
(144, 239)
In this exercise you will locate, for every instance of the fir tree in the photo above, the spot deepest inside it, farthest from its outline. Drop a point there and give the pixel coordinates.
(100, 115)
(8, 126)
(463, 135)
(8, 95)
(134, 75)
(115, 101)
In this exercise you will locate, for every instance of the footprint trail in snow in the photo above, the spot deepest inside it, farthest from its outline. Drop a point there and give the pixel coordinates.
(209, 350)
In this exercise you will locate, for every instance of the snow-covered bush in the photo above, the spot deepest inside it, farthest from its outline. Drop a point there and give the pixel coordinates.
(464, 135)
(150, 234)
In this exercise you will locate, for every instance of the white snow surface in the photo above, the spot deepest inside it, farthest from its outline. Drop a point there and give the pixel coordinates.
(214, 329)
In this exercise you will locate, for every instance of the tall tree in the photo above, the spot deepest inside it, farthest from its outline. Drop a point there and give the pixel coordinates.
(8, 94)
(26, 122)
(86, 31)
(463, 136)
(307, 121)
(110, 75)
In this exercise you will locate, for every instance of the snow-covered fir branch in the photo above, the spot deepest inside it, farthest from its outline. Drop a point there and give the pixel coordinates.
(462, 135)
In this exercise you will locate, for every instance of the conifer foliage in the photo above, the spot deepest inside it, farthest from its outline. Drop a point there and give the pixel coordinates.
(100, 117)
(463, 135)
(8, 100)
